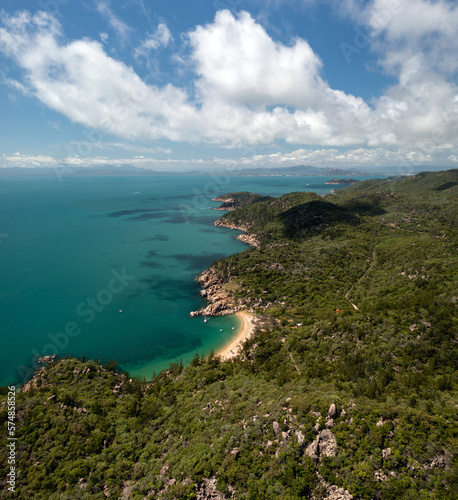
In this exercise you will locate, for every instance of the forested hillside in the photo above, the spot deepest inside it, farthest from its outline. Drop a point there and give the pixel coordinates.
(348, 388)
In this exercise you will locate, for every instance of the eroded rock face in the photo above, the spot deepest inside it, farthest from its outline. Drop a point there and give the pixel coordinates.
(276, 427)
(336, 493)
(333, 492)
(312, 450)
(207, 491)
(212, 290)
(325, 445)
(250, 239)
(332, 413)
(300, 437)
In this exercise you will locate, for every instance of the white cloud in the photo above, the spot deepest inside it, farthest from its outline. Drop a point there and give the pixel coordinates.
(252, 90)
(82, 82)
(237, 60)
(337, 157)
(20, 160)
(109, 146)
(416, 42)
(265, 90)
(414, 37)
(367, 158)
(160, 38)
(15, 85)
(119, 26)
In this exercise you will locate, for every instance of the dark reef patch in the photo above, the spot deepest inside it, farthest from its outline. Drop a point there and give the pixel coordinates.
(157, 237)
(200, 261)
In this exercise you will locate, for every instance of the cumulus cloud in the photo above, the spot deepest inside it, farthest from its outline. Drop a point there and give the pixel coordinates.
(236, 59)
(416, 42)
(404, 159)
(250, 90)
(20, 160)
(82, 82)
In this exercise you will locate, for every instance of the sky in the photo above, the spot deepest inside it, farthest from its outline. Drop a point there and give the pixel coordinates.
(203, 85)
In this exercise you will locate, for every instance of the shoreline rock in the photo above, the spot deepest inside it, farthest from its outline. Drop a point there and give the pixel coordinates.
(343, 182)
(227, 204)
(212, 282)
(246, 237)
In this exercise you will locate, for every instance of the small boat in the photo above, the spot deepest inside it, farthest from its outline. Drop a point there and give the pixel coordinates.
(121, 311)
(233, 328)
(221, 330)
(205, 319)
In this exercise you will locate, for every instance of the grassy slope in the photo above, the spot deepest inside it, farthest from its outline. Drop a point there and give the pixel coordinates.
(386, 247)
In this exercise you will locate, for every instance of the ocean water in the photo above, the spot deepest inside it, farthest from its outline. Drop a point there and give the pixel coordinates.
(105, 266)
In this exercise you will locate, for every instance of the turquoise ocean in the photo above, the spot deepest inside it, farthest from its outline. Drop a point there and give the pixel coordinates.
(105, 266)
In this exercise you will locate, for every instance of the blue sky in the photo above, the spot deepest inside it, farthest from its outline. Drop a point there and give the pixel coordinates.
(224, 84)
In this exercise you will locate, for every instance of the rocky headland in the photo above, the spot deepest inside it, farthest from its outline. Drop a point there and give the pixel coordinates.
(212, 282)
(246, 237)
(232, 201)
(342, 181)
(220, 303)
(228, 204)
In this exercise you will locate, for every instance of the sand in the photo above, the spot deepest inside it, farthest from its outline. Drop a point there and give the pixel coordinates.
(233, 348)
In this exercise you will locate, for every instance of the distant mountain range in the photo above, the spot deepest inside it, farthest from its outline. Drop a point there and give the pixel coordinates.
(298, 170)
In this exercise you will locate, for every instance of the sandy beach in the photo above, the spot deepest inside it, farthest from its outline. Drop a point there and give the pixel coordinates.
(232, 349)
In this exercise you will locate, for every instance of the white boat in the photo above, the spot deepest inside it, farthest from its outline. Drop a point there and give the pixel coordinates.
(205, 319)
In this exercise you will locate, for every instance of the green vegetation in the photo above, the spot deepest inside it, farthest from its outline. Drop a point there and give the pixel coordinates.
(357, 292)
(236, 200)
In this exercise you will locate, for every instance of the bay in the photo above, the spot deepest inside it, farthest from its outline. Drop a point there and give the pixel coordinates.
(105, 266)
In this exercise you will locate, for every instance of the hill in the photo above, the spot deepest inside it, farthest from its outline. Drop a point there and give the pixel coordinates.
(347, 389)
(298, 170)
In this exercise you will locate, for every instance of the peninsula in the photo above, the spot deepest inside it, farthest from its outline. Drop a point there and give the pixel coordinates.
(345, 388)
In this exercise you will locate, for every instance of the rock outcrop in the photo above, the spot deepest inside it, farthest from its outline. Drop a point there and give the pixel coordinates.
(250, 239)
(332, 413)
(207, 491)
(276, 427)
(325, 445)
(212, 282)
(220, 303)
(333, 492)
(312, 450)
(228, 204)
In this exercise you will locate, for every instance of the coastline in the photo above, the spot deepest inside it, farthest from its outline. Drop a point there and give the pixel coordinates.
(231, 350)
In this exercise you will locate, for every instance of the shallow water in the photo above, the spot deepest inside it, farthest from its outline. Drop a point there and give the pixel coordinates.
(75, 253)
